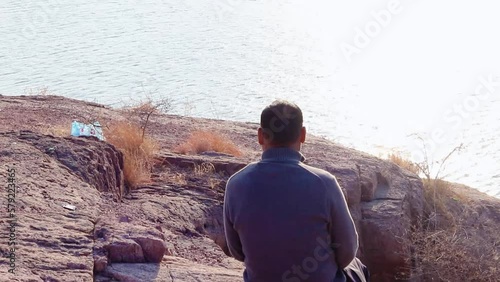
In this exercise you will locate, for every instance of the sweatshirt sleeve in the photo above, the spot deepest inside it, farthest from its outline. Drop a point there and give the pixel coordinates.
(343, 231)
(232, 237)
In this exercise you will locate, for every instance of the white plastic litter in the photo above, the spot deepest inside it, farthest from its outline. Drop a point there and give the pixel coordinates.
(82, 129)
(69, 207)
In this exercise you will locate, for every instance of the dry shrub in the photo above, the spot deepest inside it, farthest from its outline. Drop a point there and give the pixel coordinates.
(403, 162)
(203, 141)
(138, 152)
(436, 193)
(440, 202)
(144, 110)
(456, 253)
(459, 240)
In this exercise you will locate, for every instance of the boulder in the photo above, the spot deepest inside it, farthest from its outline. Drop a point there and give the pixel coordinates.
(152, 248)
(125, 250)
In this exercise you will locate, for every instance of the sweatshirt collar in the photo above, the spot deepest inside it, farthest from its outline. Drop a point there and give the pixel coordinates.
(282, 155)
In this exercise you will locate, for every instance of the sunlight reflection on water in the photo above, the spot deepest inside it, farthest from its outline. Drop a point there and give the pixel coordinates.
(226, 65)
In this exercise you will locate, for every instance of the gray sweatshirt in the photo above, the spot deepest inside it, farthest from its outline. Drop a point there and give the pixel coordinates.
(288, 221)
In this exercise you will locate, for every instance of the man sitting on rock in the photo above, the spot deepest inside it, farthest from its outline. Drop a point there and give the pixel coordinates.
(285, 220)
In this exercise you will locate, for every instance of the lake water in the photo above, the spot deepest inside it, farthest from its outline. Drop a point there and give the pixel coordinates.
(227, 59)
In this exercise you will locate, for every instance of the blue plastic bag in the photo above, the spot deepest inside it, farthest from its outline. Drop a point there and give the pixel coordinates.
(82, 129)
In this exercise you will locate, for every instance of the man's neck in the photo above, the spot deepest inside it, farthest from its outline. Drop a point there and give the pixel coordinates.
(295, 146)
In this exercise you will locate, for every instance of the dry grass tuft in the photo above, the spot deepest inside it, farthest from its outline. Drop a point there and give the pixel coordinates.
(207, 171)
(403, 162)
(204, 141)
(57, 131)
(439, 199)
(203, 169)
(138, 152)
(43, 91)
(447, 255)
(177, 178)
(458, 239)
(200, 175)
(173, 175)
(214, 183)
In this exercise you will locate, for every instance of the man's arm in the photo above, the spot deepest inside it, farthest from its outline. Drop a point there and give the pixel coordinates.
(343, 230)
(232, 237)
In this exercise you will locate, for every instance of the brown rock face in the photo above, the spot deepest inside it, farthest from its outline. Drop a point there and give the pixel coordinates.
(52, 243)
(97, 163)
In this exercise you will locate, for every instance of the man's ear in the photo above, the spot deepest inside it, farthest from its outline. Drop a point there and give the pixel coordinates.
(303, 135)
(260, 135)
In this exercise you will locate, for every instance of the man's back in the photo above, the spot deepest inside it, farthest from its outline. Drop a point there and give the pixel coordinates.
(282, 217)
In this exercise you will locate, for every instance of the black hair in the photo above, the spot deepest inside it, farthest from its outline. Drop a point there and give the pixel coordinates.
(281, 123)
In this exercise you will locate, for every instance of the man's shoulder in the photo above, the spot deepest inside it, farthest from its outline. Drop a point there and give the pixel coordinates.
(323, 174)
(242, 172)
(328, 179)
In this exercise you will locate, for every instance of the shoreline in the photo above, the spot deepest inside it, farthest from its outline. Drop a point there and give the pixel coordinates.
(84, 103)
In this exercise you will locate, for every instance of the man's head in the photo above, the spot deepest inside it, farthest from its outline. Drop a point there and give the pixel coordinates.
(281, 126)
